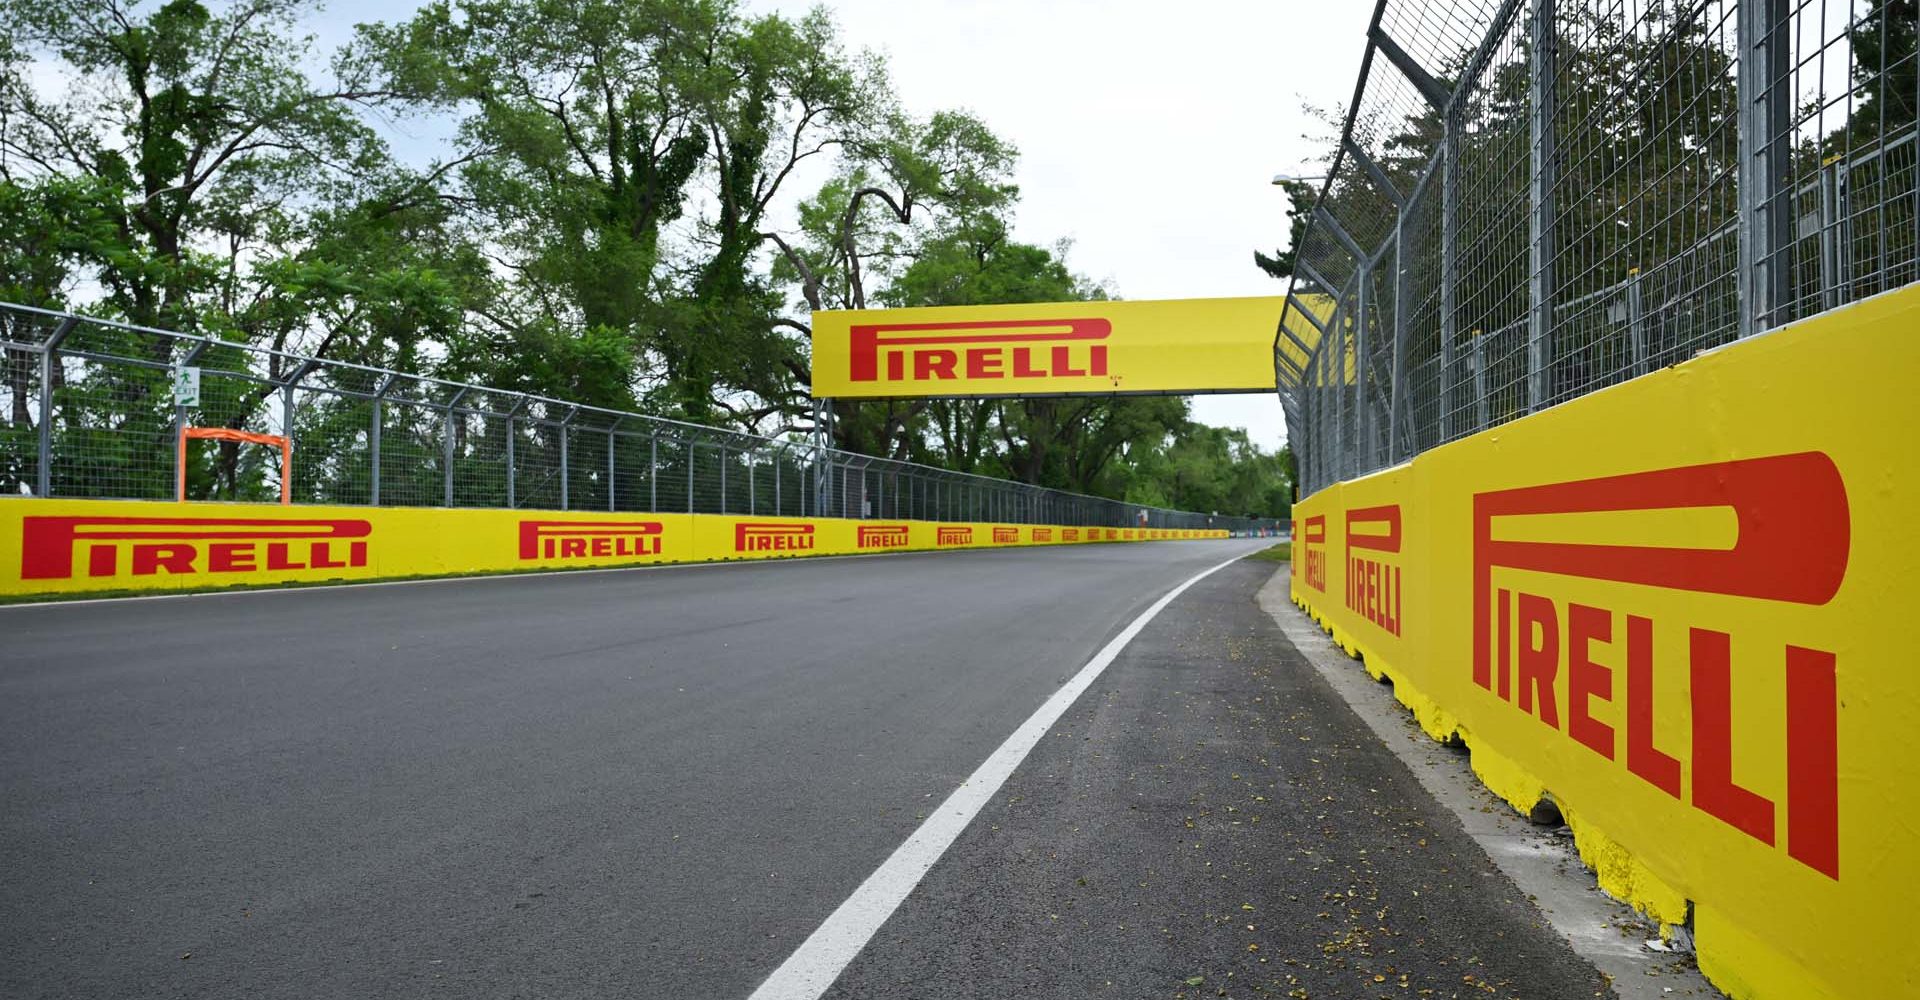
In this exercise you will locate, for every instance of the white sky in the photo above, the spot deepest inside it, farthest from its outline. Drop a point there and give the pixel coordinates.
(1148, 130)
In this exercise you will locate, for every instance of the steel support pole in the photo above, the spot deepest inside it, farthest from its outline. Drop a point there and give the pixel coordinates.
(1636, 323)
(1540, 256)
(373, 461)
(1449, 257)
(1765, 138)
(1397, 378)
(511, 500)
(49, 357)
(1363, 420)
(1480, 383)
(653, 471)
(286, 431)
(447, 449)
(43, 472)
(611, 467)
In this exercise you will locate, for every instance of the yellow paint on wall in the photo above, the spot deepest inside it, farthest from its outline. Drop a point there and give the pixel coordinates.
(76, 546)
(1722, 556)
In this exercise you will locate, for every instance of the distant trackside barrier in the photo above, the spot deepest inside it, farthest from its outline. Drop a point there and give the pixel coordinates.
(1682, 606)
(76, 546)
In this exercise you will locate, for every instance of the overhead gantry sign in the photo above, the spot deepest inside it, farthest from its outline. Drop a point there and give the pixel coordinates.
(1109, 348)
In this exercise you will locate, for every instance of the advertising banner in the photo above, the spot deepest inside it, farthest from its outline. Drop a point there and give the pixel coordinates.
(1681, 606)
(1047, 349)
(76, 546)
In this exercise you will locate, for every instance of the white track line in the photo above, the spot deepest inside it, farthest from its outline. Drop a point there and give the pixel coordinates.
(819, 960)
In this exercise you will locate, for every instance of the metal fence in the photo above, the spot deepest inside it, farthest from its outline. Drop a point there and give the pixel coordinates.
(1533, 200)
(87, 410)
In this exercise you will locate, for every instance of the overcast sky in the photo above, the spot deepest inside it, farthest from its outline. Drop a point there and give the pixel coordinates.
(1148, 130)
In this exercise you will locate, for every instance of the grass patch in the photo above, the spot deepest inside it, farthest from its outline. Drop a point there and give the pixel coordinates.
(1282, 552)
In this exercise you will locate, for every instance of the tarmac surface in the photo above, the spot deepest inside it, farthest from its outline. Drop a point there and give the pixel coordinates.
(657, 783)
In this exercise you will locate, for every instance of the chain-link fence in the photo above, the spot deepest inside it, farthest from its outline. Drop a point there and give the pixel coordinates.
(87, 409)
(1532, 200)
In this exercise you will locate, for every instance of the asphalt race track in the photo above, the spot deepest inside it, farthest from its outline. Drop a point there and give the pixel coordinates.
(657, 783)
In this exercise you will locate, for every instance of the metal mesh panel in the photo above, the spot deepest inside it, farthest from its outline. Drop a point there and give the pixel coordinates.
(20, 399)
(1534, 199)
(367, 436)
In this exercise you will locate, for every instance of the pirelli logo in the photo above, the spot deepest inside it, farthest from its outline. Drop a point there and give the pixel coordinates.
(1069, 534)
(1016, 350)
(1313, 551)
(881, 536)
(590, 539)
(1006, 536)
(1373, 565)
(63, 548)
(1541, 652)
(751, 536)
(1043, 534)
(950, 534)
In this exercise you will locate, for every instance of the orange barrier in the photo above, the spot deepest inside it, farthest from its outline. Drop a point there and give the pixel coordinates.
(244, 437)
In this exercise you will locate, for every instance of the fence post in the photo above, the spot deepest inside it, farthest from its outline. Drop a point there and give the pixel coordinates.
(1540, 258)
(1397, 385)
(1479, 381)
(373, 465)
(1636, 326)
(1362, 417)
(286, 429)
(691, 455)
(1449, 251)
(1765, 126)
(612, 480)
(653, 470)
(446, 461)
(565, 475)
(49, 358)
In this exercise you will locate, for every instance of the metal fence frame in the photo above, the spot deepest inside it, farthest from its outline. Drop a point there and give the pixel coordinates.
(371, 436)
(1506, 226)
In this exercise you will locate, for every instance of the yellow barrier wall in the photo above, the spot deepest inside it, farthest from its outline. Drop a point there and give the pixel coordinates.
(74, 546)
(1684, 607)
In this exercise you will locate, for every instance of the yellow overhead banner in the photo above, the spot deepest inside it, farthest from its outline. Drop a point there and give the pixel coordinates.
(1047, 349)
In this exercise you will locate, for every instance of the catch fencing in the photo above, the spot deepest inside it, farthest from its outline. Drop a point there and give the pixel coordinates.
(88, 410)
(1534, 200)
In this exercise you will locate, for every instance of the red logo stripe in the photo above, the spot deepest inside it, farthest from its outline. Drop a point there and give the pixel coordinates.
(866, 340)
(46, 543)
(1794, 536)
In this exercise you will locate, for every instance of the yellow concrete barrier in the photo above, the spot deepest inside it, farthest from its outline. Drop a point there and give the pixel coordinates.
(1684, 607)
(75, 546)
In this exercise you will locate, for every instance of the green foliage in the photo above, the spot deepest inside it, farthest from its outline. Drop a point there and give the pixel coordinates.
(1300, 197)
(598, 230)
(1282, 552)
